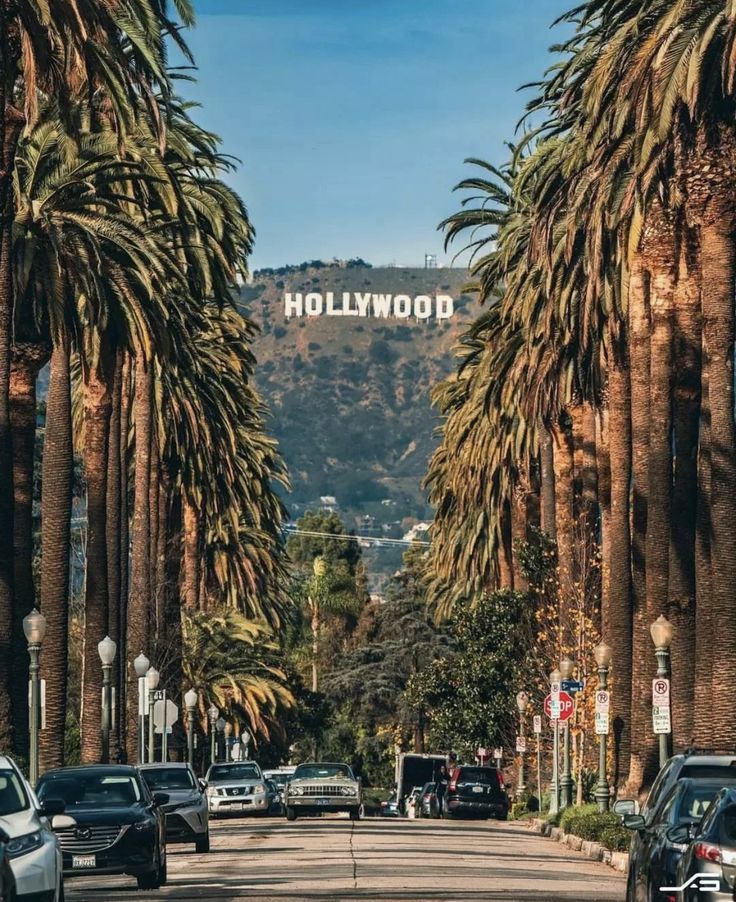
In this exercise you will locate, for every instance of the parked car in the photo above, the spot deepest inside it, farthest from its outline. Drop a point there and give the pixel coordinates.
(390, 807)
(657, 853)
(707, 868)
(476, 791)
(323, 787)
(115, 825)
(273, 791)
(187, 814)
(430, 806)
(696, 764)
(236, 788)
(31, 848)
(7, 880)
(280, 775)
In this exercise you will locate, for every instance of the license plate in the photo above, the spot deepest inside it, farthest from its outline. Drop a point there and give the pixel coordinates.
(237, 806)
(477, 789)
(323, 801)
(84, 861)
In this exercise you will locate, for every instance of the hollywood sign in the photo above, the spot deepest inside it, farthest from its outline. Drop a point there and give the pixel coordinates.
(398, 306)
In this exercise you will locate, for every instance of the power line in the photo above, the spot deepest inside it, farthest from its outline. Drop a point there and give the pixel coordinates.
(292, 530)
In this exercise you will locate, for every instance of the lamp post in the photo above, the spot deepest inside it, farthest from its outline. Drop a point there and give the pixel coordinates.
(107, 650)
(567, 667)
(34, 628)
(661, 631)
(190, 700)
(152, 679)
(554, 802)
(603, 654)
(220, 725)
(213, 712)
(141, 665)
(522, 700)
(228, 740)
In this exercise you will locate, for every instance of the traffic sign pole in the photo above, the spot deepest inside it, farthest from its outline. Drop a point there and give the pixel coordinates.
(164, 737)
(554, 802)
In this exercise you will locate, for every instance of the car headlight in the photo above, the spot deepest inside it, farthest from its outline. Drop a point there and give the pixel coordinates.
(296, 790)
(22, 845)
(259, 787)
(349, 791)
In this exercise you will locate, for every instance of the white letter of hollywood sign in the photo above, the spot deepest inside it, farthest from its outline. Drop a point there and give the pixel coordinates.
(400, 306)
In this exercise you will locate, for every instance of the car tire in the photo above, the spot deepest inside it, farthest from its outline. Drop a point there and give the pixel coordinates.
(203, 845)
(355, 814)
(290, 814)
(148, 881)
(502, 817)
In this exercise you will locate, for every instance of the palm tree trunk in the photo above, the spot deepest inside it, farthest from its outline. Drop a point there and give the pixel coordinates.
(617, 613)
(27, 362)
(113, 533)
(140, 589)
(564, 527)
(703, 575)
(603, 466)
(589, 525)
(56, 512)
(681, 593)
(97, 410)
(642, 742)
(124, 557)
(547, 470)
(718, 262)
(518, 534)
(155, 621)
(505, 551)
(192, 555)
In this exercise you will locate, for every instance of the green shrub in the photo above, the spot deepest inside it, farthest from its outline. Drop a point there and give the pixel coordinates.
(589, 823)
(616, 837)
(573, 814)
(518, 809)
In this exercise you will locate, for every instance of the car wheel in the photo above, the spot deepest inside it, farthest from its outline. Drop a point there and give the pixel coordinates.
(355, 814)
(203, 844)
(148, 881)
(290, 814)
(502, 817)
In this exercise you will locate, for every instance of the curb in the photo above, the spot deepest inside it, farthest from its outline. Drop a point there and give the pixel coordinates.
(594, 850)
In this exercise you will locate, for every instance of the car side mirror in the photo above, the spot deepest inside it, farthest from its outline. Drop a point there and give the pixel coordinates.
(4, 836)
(202, 785)
(623, 807)
(52, 807)
(634, 821)
(161, 798)
(62, 822)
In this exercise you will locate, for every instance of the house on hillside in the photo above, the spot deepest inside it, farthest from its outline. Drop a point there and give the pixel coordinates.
(329, 503)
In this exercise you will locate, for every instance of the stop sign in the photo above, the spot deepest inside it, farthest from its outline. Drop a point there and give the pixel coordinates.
(566, 706)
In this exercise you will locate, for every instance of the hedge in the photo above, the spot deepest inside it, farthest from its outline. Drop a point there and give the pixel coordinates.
(589, 823)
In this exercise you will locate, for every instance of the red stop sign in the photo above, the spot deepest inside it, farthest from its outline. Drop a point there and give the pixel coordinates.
(567, 706)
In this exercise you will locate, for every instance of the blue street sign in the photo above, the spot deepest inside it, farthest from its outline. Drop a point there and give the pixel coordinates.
(572, 686)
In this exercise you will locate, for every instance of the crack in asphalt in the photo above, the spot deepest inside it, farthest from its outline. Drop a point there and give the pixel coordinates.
(352, 855)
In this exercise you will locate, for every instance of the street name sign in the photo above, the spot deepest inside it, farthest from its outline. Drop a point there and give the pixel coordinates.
(572, 686)
(660, 692)
(563, 710)
(537, 723)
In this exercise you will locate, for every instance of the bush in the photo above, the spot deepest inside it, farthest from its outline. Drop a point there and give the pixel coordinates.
(589, 823)
(616, 837)
(518, 809)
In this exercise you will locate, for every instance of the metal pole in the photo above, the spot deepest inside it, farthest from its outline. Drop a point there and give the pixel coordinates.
(521, 788)
(164, 737)
(554, 801)
(566, 781)
(151, 734)
(539, 770)
(602, 791)
(33, 719)
(106, 683)
(141, 720)
(190, 734)
(663, 670)
(213, 752)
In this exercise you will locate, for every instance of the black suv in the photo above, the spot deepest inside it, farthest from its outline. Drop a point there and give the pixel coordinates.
(119, 825)
(706, 765)
(476, 791)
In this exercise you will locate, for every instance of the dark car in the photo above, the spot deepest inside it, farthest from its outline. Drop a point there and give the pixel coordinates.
(273, 793)
(476, 791)
(430, 806)
(707, 867)
(7, 881)
(187, 817)
(696, 764)
(390, 807)
(119, 825)
(659, 850)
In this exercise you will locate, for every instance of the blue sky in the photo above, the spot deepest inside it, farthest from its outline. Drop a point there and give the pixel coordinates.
(352, 117)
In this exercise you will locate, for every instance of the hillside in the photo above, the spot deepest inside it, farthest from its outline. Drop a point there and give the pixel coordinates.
(350, 396)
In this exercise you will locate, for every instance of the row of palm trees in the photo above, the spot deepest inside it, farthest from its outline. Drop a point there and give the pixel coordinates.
(121, 249)
(595, 394)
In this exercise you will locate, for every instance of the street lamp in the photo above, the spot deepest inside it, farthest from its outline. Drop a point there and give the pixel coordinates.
(141, 665)
(661, 631)
(567, 667)
(603, 654)
(106, 650)
(34, 628)
(213, 712)
(152, 680)
(228, 740)
(190, 700)
(220, 724)
(522, 700)
(554, 802)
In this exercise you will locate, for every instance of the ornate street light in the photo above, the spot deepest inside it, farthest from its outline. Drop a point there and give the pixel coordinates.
(213, 712)
(106, 650)
(190, 700)
(662, 631)
(567, 666)
(34, 629)
(152, 680)
(141, 665)
(522, 700)
(603, 655)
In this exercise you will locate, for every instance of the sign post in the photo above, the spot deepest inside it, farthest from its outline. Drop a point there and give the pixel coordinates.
(538, 734)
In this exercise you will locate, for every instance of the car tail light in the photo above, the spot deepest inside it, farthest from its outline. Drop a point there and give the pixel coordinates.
(453, 785)
(706, 851)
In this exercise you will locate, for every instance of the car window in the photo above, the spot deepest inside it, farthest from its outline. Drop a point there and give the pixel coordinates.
(90, 790)
(322, 772)
(168, 778)
(696, 800)
(12, 795)
(485, 775)
(235, 772)
(727, 825)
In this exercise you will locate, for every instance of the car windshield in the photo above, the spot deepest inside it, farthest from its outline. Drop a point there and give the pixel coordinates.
(322, 772)
(168, 778)
(485, 775)
(279, 779)
(221, 773)
(696, 799)
(12, 795)
(98, 790)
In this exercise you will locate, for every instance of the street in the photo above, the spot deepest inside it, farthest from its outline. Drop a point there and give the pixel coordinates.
(373, 859)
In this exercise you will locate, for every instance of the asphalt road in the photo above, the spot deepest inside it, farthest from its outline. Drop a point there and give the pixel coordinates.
(381, 859)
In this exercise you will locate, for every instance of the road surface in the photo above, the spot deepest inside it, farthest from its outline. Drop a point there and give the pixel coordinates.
(382, 859)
